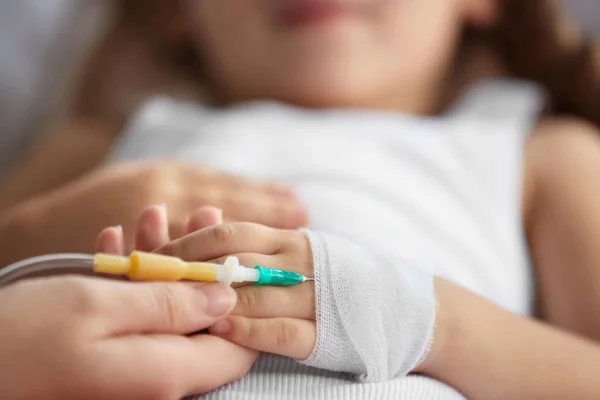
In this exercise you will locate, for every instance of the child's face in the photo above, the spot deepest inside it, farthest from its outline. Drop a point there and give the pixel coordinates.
(330, 53)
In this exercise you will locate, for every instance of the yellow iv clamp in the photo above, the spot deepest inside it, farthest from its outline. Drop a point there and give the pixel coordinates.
(140, 266)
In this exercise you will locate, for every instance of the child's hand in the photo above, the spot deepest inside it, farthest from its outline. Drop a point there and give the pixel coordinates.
(279, 320)
(152, 229)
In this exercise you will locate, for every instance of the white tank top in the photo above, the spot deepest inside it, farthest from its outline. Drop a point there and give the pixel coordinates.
(447, 189)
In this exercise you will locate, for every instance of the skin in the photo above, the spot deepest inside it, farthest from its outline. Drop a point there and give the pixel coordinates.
(345, 63)
(133, 186)
(305, 68)
(97, 330)
(348, 63)
(107, 339)
(325, 66)
(63, 179)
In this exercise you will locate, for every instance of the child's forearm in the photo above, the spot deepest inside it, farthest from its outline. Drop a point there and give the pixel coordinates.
(488, 353)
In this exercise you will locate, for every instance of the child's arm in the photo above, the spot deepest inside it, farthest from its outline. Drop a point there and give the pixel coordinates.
(562, 211)
(488, 353)
(477, 348)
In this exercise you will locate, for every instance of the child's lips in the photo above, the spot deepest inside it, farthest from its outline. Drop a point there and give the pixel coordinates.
(302, 13)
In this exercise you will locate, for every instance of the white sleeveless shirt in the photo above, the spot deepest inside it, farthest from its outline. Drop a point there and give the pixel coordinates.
(447, 189)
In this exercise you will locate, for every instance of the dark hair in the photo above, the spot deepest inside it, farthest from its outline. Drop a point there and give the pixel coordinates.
(537, 40)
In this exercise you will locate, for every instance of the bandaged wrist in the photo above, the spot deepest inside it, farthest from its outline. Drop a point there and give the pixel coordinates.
(375, 317)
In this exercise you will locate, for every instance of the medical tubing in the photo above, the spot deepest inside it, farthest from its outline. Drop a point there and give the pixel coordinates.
(75, 263)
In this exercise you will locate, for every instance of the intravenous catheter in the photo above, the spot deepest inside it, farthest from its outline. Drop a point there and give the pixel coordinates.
(140, 266)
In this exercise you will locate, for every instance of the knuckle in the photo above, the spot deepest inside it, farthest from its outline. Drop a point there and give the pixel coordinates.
(248, 300)
(284, 335)
(224, 233)
(291, 241)
(169, 304)
(173, 249)
(83, 297)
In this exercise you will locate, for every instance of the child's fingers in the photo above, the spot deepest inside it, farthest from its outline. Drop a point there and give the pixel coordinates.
(221, 240)
(274, 302)
(203, 218)
(287, 337)
(270, 208)
(111, 241)
(152, 229)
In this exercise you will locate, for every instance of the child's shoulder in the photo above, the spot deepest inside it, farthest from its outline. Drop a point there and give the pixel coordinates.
(561, 152)
(560, 139)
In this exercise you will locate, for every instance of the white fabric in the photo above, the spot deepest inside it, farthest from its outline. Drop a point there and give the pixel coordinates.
(375, 316)
(445, 190)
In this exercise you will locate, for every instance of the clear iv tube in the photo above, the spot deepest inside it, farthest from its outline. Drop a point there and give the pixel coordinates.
(47, 265)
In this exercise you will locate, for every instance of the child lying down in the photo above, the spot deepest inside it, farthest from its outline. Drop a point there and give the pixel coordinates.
(424, 223)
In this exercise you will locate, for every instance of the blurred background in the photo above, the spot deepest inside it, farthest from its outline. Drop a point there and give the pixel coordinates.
(41, 43)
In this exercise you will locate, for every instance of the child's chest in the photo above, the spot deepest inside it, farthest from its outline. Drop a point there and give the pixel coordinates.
(391, 189)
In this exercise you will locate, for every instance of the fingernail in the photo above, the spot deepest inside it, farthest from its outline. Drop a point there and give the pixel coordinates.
(163, 208)
(220, 299)
(119, 228)
(221, 327)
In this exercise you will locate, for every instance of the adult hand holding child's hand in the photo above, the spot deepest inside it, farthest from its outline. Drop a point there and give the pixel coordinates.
(76, 338)
(356, 301)
(279, 320)
(91, 338)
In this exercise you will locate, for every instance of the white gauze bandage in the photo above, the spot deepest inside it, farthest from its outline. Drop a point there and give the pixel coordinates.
(375, 317)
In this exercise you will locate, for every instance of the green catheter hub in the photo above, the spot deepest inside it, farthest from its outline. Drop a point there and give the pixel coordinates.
(275, 277)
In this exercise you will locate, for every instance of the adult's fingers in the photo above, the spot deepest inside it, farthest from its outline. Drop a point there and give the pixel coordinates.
(248, 200)
(111, 241)
(175, 366)
(267, 208)
(152, 228)
(134, 308)
(287, 337)
(273, 302)
(203, 218)
(221, 240)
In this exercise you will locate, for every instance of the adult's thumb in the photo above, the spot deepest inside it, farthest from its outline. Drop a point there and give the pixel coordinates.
(167, 308)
